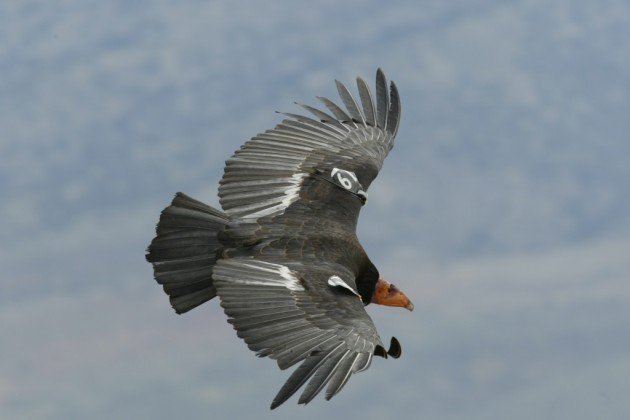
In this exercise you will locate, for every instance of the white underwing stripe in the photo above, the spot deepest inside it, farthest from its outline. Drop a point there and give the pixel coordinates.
(256, 273)
(262, 183)
(272, 206)
(336, 281)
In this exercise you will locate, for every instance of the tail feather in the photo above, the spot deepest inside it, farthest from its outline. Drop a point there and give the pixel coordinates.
(185, 250)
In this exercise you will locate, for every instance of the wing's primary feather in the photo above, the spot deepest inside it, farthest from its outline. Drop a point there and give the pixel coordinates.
(350, 103)
(367, 102)
(393, 116)
(337, 111)
(382, 99)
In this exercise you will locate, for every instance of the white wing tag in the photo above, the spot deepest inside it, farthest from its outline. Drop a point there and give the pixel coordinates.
(336, 281)
(349, 181)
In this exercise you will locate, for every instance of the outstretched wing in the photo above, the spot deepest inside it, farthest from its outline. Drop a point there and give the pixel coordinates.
(317, 162)
(293, 312)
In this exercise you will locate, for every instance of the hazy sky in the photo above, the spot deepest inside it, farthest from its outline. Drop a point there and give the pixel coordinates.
(502, 211)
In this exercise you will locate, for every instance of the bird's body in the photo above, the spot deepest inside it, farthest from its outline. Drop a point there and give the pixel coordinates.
(283, 255)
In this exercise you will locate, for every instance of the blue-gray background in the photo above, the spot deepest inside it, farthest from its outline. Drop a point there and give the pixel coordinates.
(502, 211)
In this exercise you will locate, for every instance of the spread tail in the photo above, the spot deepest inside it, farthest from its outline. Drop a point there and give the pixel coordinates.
(185, 249)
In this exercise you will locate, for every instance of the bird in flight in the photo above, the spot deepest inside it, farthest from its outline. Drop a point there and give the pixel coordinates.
(283, 255)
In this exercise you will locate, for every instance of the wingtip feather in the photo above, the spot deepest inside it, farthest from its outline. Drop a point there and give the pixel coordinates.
(350, 103)
(367, 102)
(393, 115)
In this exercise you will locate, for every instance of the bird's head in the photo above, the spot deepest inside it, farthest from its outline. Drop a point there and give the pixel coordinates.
(387, 294)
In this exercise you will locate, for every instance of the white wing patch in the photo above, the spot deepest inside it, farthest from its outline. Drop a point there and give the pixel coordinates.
(275, 205)
(261, 273)
(336, 281)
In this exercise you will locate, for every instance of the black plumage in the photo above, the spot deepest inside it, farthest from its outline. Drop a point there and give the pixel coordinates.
(283, 255)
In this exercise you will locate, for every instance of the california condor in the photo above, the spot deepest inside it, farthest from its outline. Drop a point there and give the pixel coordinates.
(283, 255)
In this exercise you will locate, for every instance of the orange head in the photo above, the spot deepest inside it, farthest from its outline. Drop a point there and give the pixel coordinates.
(386, 293)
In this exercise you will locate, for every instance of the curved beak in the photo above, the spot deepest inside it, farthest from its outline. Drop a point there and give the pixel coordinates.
(387, 294)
